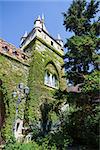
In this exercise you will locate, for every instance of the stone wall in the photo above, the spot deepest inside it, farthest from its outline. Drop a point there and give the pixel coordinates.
(13, 70)
(29, 66)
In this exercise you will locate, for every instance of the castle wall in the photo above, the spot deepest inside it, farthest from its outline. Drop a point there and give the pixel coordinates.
(13, 70)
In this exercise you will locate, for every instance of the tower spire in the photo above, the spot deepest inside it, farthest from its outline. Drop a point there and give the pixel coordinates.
(39, 18)
(59, 40)
(42, 17)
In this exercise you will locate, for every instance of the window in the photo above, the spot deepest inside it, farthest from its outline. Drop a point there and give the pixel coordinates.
(14, 52)
(44, 36)
(51, 43)
(23, 56)
(50, 80)
(17, 126)
(54, 81)
(47, 78)
(5, 49)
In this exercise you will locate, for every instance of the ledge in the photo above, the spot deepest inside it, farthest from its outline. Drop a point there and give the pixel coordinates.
(49, 46)
(8, 56)
(50, 87)
(46, 44)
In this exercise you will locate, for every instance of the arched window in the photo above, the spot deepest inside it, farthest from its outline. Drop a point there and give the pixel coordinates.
(54, 81)
(50, 79)
(47, 78)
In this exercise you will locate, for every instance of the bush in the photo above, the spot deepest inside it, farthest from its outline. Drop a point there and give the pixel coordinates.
(83, 126)
(13, 145)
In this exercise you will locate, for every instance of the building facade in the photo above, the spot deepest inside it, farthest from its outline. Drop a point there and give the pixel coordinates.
(38, 64)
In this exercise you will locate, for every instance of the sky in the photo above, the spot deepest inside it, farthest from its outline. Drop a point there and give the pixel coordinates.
(18, 16)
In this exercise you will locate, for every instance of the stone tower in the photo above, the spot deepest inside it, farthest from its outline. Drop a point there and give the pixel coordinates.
(37, 64)
(46, 73)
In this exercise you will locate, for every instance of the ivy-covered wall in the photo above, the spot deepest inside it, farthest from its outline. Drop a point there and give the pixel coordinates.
(12, 72)
(42, 56)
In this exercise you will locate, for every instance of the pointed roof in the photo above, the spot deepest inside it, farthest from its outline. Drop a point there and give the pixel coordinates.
(39, 18)
(44, 28)
(59, 38)
(43, 17)
(25, 34)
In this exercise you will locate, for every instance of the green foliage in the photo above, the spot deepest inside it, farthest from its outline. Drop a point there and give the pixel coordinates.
(91, 83)
(11, 144)
(16, 146)
(60, 139)
(42, 59)
(54, 141)
(81, 122)
(84, 44)
(78, 125)
(79, 15)
(12, 73)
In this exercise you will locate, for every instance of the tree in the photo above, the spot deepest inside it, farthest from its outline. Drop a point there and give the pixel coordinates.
(81, 58)
(82, 66)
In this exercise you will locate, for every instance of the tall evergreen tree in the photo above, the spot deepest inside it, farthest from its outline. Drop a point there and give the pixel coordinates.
(83, 46)
(82, 19)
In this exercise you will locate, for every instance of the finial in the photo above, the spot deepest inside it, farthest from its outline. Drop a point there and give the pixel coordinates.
(59, 38)
(25, 34)
(39, 18)
(42, 17)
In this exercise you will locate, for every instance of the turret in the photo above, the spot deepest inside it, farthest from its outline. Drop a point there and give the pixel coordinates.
(39, 31)
(59, 40)
(23, 37)
(37, 23)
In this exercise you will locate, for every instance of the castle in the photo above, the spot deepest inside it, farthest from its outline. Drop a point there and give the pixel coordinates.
(37, 64)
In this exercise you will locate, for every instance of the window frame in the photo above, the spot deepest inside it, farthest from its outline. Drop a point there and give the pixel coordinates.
(51, 80)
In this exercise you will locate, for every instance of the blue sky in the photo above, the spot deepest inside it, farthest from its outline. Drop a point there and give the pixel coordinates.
(18, 16)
